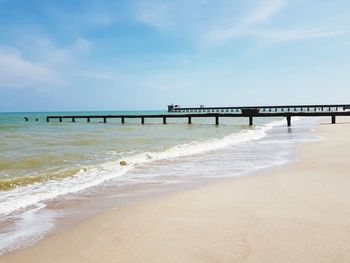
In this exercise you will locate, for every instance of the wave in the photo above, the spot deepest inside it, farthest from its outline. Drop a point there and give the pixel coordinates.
(10, 184)
(31, 191)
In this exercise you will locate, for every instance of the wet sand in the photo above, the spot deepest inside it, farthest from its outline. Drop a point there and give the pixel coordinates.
(298, 213)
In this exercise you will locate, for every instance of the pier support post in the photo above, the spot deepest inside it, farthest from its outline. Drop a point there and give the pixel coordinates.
(333, 119)
(60, 119)
(289, 121)
(216, 120)
(250, 120)
(73, 119)
(164, 120)
(104, 119)
(142, 120)
(88, 119)
(123, 120)
(47, 119)
(189, 120)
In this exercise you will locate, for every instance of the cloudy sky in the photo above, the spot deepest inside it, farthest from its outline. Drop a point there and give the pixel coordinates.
(118, 55)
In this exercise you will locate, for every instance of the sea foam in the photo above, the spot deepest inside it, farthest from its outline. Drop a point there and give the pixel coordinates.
(90, 176)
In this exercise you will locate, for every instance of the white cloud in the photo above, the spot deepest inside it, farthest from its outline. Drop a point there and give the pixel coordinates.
(263, 12)
(215, 23)
(42, 64)
(154, 13)
(81, 45)
(260, 14)
(16, 72)
(275, 36)
(290, 35)
(182, 15)
(205, 19)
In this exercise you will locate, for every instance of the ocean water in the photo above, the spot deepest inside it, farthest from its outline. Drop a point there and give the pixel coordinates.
(47, 165)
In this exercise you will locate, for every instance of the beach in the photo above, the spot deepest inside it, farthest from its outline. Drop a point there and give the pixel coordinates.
(297, 213)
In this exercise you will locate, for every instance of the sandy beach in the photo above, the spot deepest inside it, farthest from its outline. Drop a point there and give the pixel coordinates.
(297, 213)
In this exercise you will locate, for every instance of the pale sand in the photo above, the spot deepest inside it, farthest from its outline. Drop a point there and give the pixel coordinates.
(300, 213)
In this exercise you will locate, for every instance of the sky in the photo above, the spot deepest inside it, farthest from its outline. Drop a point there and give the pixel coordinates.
(58, 55)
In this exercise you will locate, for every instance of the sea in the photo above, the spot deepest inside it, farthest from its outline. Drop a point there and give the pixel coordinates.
(55, 174)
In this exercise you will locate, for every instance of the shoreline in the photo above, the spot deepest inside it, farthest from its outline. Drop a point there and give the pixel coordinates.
(236, 220)
(156, 179)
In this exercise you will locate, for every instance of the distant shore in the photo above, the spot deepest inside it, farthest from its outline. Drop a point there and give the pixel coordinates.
(298, 213)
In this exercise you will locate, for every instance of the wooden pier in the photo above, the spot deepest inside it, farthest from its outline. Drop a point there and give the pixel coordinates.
(216, 113)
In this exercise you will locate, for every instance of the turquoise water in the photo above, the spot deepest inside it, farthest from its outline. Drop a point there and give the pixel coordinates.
(41, 161)
(34, 151)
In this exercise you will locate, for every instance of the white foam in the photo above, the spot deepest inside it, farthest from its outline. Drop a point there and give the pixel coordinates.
(26, 231)
(23, 197)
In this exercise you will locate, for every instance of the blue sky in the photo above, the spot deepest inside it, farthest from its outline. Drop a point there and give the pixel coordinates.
(118, 55)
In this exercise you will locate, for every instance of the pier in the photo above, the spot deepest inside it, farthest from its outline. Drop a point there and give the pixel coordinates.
(216, 113)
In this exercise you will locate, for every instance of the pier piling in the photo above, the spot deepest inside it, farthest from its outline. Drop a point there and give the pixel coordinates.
(333, 119)
(286, 111)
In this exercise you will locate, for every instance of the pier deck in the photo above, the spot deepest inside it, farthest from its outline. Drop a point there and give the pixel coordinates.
(216, 113)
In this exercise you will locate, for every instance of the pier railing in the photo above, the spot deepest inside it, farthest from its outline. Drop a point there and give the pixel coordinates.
(261, 109)
(216, 112)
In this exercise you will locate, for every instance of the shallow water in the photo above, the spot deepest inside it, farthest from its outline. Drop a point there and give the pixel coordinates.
(56, 162)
